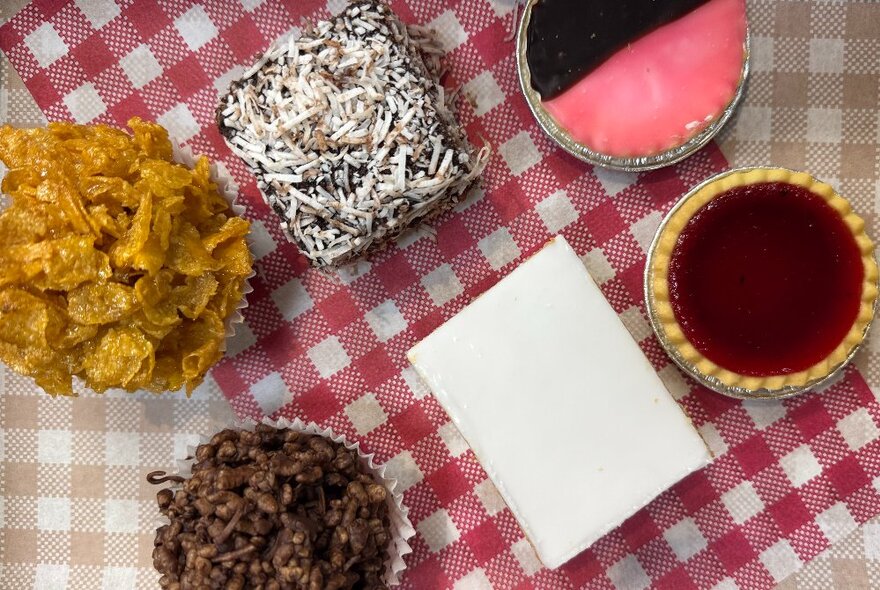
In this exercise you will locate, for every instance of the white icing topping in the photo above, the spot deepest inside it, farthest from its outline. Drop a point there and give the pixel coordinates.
(558, 402)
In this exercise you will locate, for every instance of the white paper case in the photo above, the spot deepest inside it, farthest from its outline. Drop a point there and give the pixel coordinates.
(229, 189)
(401, 527)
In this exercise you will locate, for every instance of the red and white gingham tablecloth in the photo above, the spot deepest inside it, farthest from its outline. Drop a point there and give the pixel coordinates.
(333, 350)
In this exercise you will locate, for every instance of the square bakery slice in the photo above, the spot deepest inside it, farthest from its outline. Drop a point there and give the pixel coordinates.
(558, 402)
(349, 134)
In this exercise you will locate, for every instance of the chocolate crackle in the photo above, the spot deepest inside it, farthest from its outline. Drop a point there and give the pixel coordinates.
(350, 133)
(275, 509)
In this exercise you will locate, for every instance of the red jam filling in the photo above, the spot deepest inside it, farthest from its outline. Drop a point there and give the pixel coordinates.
(766, 279)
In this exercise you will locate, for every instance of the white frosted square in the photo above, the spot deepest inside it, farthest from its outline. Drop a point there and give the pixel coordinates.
(558, 402)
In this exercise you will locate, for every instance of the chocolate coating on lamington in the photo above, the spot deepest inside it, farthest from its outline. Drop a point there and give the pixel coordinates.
(349, 134)
(567, 39)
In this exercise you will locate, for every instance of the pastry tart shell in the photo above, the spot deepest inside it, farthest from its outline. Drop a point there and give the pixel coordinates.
(670, 333)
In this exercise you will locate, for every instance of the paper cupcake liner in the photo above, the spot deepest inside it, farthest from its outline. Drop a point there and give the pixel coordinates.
(401, 528)
(183, 154)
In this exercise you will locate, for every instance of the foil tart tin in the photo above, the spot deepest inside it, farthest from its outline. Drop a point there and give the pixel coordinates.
(689, 368)
(582, 152)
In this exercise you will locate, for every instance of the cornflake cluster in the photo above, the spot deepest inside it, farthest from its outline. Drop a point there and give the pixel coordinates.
(117, 264)
(349, 133)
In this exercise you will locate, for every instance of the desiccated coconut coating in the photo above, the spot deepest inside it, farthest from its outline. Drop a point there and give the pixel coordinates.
(349, 134)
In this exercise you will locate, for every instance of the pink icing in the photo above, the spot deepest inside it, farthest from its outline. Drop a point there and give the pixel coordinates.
(661, 90)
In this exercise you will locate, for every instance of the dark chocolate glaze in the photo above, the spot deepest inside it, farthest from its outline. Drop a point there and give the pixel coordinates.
(567, 39)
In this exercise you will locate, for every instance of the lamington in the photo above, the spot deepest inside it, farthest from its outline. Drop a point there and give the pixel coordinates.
(350, 134)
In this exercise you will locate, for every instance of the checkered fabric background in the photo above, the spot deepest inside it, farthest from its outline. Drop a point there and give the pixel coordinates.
(78, 511)
(853, 562)
(790, 478)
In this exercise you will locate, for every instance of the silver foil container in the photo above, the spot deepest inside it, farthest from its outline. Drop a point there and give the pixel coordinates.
(582, 152)
(689, 368)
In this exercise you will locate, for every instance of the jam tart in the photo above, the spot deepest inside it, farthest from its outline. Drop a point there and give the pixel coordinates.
(762, 282)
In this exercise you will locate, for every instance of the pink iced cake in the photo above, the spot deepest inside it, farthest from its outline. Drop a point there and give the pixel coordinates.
(635, 78)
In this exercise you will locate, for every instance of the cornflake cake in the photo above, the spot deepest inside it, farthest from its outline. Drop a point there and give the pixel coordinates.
(349, 133)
